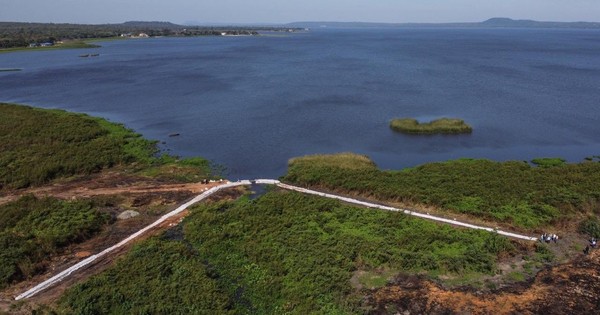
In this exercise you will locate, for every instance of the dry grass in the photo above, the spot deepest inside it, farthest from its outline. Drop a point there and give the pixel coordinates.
(442, 126)
(341, 160)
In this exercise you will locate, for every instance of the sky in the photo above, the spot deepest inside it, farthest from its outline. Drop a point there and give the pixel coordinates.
(272, 11)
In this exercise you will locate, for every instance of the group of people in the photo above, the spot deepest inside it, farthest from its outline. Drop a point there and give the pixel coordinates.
(549, 238)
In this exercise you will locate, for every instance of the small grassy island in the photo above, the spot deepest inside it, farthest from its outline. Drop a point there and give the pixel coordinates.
(438, 126)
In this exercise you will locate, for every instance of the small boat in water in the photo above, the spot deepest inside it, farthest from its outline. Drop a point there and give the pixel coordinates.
(84, 56)
(174, 135)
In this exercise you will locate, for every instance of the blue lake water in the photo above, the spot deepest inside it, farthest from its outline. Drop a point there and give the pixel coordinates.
(251, 103)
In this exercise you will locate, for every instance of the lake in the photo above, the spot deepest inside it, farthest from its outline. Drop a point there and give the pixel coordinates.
(251, 103)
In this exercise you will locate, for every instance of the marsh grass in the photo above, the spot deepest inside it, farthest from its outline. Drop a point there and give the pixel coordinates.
(512, 192)
(282, 253)
(40, 145)
(438, 126)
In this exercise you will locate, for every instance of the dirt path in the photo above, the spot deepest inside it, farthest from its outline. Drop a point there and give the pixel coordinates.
(107, 183)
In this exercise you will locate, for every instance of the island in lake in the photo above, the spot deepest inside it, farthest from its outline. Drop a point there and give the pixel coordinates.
(438, 126)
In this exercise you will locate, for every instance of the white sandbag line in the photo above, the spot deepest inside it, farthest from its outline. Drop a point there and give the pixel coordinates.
(416, 214)
(62, 275)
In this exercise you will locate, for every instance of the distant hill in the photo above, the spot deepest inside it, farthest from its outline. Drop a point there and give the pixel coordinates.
(491, 23)
(151, 24)
(506, 22)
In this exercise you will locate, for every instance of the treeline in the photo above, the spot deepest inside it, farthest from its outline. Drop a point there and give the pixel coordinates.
(283, 253)
(32, 229)
(514, 192)
(13, 34)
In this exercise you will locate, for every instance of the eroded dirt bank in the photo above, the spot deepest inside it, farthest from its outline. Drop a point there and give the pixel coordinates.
(571, 288)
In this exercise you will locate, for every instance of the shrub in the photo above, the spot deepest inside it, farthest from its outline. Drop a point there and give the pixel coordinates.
(591, 227)
(32, 229)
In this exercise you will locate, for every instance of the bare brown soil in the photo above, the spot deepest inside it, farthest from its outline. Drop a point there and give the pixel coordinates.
(105, 183)
(571, 288)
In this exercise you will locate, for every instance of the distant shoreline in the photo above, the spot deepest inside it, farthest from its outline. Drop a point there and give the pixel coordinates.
(18, 35)
(490, 23)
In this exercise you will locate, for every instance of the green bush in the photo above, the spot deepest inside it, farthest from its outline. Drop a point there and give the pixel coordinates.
(543, 254)
(591, 227)
(31, 229)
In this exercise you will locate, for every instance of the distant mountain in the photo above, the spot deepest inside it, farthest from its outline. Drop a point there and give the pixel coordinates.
(151, 24)
(491, 23)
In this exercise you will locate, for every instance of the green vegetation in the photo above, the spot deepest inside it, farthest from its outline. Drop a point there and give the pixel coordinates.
(517, 276)
(156, 277)
(438, 126)
(31, 229)
(591, 227)
(542, 254)
(549, 162)
(376, 278)
(37, 146)
(281, 253)
(513, 192)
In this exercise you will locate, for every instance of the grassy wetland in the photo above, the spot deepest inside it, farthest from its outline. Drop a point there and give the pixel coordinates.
(281, 253)
(516, 193)
(438, 126)
(38, 146)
